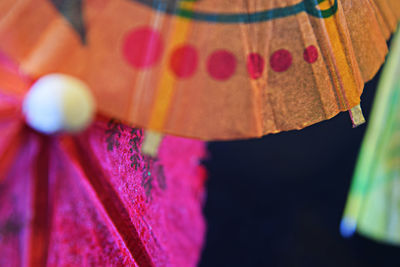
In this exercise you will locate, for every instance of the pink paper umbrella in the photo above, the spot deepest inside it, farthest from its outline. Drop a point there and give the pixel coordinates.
(92, 199)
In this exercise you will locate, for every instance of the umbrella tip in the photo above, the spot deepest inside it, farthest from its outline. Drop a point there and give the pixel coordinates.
(59, 103)
(357, 116)
(348, 227)
(151, 142)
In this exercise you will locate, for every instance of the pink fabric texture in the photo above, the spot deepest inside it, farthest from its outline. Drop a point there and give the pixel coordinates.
(94, 199)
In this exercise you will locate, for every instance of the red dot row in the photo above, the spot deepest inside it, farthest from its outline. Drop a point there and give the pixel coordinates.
(143, 48)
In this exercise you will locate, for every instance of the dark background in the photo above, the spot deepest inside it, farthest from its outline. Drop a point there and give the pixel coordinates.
(278, 201)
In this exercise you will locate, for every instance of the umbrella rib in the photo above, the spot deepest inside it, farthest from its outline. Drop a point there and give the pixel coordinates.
(111, 203)
(8, 154)
(40, 224)
(9, 113)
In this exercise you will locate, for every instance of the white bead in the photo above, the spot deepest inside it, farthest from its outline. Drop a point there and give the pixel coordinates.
(59, 103)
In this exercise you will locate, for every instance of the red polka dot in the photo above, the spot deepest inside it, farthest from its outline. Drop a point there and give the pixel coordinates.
(221, 65)
(184, 61)
(311, 54)
(142, 47)
(255, 65)
(281, 60)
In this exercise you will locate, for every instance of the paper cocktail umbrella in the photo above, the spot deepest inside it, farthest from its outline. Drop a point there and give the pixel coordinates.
(207, 69)
(92, 199)
(373, 203)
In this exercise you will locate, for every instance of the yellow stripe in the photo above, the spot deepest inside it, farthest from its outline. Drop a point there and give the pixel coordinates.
(165, 88)
(348, 85)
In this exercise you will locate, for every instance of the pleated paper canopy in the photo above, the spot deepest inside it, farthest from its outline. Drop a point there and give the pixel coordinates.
(372, 207)
(206, 69)
(93, 199)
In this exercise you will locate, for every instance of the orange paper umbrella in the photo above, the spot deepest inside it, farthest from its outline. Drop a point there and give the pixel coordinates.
(207, 69)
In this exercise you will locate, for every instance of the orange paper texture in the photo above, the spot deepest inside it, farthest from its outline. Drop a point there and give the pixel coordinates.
(241, 79)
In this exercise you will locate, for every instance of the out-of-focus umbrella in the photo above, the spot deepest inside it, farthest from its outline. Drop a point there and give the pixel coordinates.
(93, 199)
(373, 203)
(207, 69)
